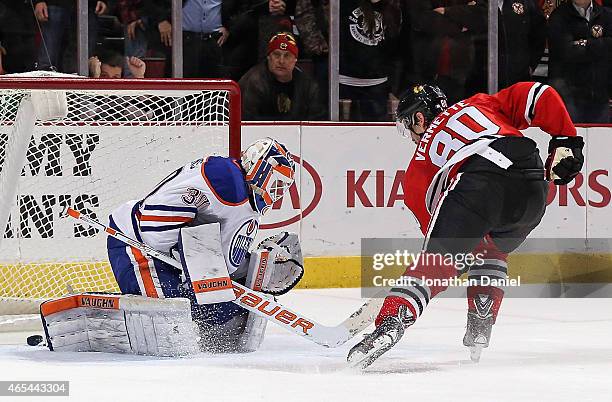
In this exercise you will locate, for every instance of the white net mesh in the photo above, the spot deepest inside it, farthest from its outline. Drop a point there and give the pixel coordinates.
(112, 146)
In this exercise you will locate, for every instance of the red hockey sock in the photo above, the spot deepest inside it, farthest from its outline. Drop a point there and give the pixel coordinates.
(391, 308)
(481, 295)
(416, 297)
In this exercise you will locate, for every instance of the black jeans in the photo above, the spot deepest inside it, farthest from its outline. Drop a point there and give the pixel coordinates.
(368, 103)
(202, 56)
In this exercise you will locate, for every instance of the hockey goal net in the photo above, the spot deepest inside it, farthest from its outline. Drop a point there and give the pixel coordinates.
(112, 142)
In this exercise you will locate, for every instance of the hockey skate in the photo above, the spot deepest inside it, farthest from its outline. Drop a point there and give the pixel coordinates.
(373, 345)
(479, 325)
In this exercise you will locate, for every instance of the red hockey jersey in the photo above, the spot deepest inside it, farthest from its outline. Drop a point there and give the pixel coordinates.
(467, 128)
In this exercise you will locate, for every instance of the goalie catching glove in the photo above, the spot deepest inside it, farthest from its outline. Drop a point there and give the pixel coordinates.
(277, 264)
(565, 159)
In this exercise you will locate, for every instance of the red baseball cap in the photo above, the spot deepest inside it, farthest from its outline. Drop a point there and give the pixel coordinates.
(283, 41)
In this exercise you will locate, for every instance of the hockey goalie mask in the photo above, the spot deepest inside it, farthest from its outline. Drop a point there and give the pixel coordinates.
(269, 171)
(427, 99)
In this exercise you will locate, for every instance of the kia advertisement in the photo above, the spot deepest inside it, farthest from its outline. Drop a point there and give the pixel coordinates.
(349, 185)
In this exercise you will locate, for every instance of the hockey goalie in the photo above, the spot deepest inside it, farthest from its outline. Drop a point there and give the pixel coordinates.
(205, 215)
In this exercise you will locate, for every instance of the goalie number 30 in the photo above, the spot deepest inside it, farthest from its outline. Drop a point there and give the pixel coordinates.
(444, 145)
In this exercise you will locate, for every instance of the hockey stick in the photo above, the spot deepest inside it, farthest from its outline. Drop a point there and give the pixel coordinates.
(263, 305)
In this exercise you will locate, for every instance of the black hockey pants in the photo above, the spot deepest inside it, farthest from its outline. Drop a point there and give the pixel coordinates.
(486, 199)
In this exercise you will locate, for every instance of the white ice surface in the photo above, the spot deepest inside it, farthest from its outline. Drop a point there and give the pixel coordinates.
(542, 350)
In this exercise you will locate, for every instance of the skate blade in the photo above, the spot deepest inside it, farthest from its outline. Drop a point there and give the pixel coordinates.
(360, 360)
(475, 353)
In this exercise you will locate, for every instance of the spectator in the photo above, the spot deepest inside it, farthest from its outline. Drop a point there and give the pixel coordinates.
(547, 7)
(110, 65)
(403, 74)
(240, 49)
(364, 26)
(251, 24)
(204, 33)
(312, 21)
(134, 27)
(59, 32)
(115, 107)
(443, 42)
(580, 44)
(522, 40)
(276, 89)
(17, 36)
(273, 17)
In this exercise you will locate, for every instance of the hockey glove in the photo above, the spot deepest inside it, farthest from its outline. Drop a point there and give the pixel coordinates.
(565, 159)
(283, 267)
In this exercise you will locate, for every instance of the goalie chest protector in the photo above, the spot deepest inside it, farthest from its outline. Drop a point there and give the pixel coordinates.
(201, 192)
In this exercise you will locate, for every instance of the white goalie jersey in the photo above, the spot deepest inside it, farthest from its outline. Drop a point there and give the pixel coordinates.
(201, 192)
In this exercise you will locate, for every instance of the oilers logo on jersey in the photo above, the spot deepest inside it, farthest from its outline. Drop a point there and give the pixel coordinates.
(242, 240)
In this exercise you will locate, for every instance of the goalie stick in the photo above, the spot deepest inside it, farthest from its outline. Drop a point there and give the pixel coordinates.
(264, 305)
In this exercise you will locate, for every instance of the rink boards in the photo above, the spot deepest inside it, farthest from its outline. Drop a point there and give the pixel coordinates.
(350, 186)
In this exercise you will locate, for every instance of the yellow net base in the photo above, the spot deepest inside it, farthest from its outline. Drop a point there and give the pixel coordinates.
(46, 280)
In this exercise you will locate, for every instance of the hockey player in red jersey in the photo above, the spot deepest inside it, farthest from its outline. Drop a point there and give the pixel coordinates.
(475, 184)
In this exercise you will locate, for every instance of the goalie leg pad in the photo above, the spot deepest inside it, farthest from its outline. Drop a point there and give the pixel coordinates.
(227, 328)
(241, 331)
(255, 326)
(120, 324)
(275, 268)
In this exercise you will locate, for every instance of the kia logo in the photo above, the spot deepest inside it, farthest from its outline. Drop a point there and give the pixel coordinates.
(293, 194)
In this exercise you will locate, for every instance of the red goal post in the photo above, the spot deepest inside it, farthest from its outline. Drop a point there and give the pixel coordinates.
(113, 142)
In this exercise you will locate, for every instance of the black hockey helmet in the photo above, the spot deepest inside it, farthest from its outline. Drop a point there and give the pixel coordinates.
(424, 98)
